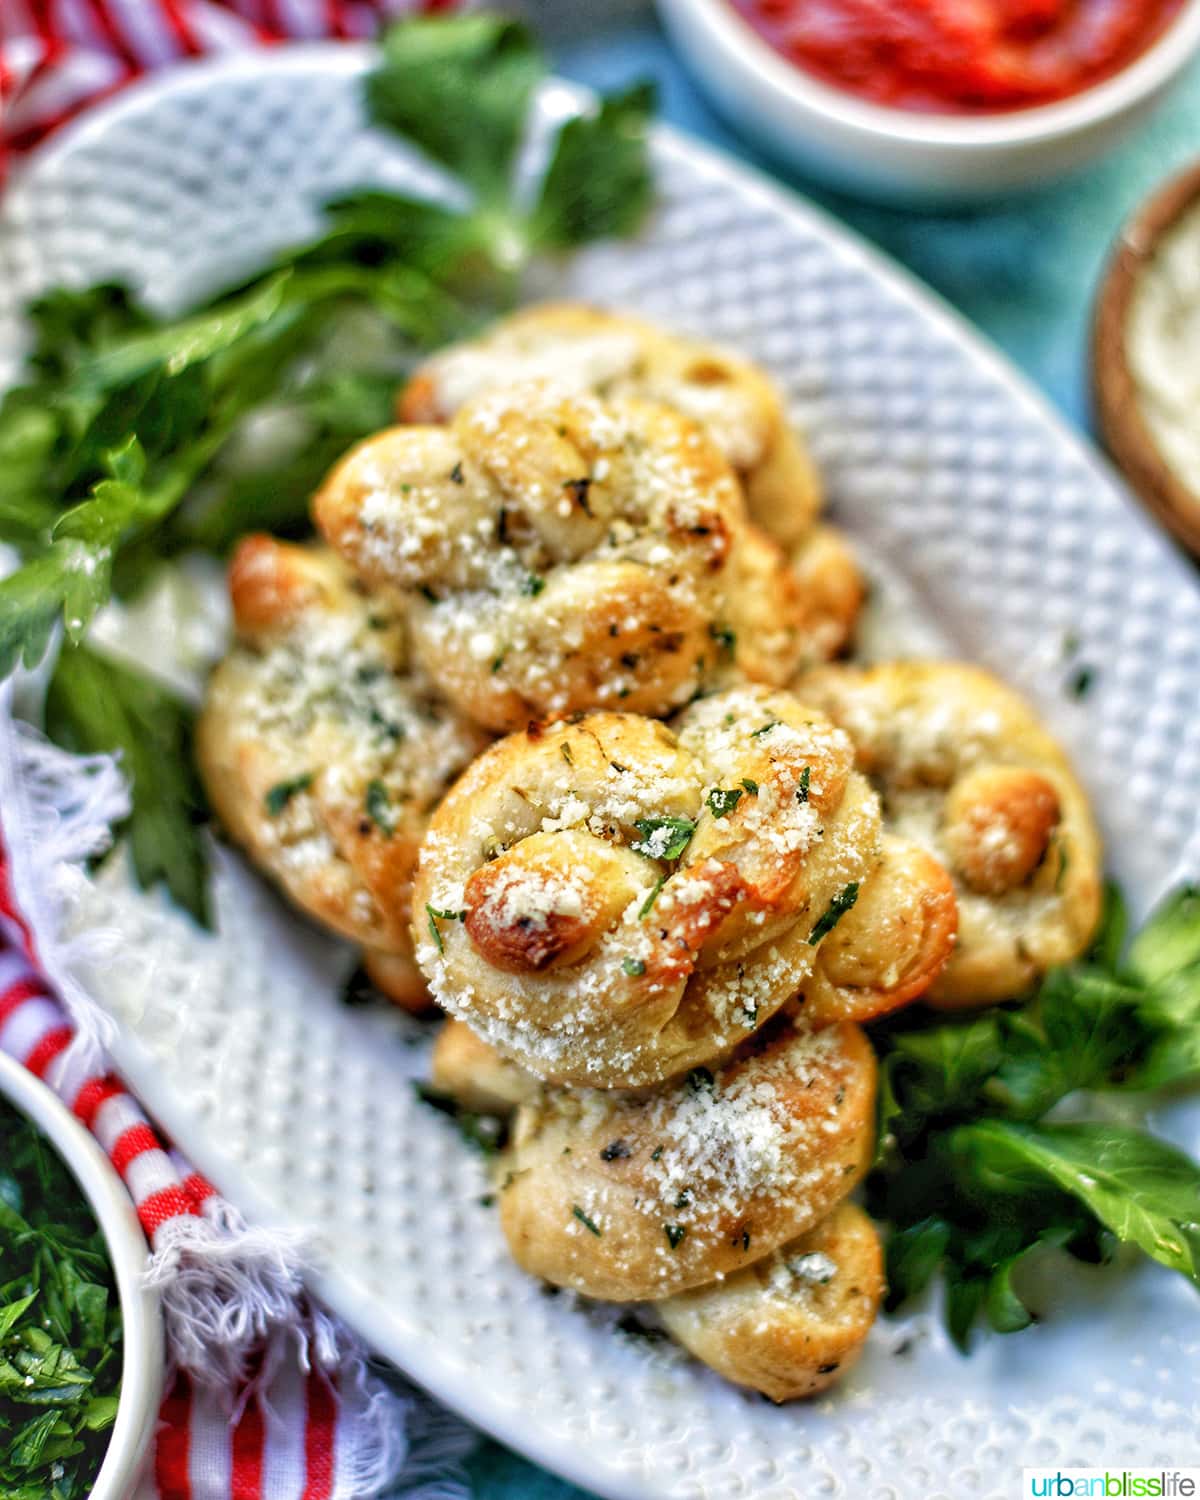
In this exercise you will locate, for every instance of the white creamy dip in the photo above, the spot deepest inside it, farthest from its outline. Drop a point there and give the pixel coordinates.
(1163, 346)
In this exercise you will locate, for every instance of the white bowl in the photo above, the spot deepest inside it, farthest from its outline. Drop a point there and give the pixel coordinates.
(142, 1344)
(901, 155)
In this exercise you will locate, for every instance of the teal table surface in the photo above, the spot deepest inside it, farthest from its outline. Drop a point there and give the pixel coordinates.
(1025, 271)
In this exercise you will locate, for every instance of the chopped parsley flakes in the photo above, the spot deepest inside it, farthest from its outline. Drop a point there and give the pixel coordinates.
(435, 914)
(1081, 682)
(584, 1220)
(663, 838)
(722, 801)
(379, 807)
(834, 913)
(283, 791)
(648, 904)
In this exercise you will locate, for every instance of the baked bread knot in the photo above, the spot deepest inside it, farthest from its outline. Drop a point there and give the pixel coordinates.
(321, 755)
(792, 1324)
(476, 1076)
(612, 900)
(788, 614)
(613, 355)
(559, 552)
(967, 772)
(890, 948)
(632, 1197)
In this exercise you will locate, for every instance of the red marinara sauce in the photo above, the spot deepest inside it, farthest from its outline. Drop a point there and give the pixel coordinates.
(961, 56)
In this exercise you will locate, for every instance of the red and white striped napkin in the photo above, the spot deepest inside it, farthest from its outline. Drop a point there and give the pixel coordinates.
(57, 57)
(269, 1398)
(300, 1417)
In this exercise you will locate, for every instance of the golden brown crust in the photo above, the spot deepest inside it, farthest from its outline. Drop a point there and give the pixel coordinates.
(966, 771)
(787, 614)
(890, 948)
(615, 355)
(831, 585)
(790, 1325)
(396, 976)
(637, 899)
(559, 552)
(321, 755)
(476, 1076)
(998, 824)
(629, 1197)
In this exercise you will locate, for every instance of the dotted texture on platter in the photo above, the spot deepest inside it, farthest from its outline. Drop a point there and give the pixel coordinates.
(1014, 539)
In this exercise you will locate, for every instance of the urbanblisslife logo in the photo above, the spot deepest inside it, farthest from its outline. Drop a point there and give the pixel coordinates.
(1111, 1484)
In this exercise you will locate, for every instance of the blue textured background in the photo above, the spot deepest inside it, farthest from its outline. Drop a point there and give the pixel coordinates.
(1025, 271)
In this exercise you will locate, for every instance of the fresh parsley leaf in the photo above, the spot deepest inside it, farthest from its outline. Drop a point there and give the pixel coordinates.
(1112, 935)
(175, 347)
(834, 913)
(460, 88)
(588, 1224)
(1082, 680)
(282, 792)
(486, 1133)
(722, 801)
(598, 184)
(70, 325)
(663, 838)
(96, 704)
(647, 905)
(434, 915)
(379, 807)
(1078, 1034)
(1145, 1191)
(937, 1072)
(1169, 944)
(914, 1256)
(634, 967)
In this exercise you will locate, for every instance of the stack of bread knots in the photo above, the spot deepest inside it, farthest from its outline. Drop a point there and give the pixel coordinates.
(659, 908)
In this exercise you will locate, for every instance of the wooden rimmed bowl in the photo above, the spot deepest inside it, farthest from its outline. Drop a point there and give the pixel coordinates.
(1119, 413)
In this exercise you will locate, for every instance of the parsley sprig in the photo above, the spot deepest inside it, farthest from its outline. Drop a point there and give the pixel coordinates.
(973, 1176)
(125, 445)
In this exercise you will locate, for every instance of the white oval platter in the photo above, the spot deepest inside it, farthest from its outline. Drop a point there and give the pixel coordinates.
(1012, 535)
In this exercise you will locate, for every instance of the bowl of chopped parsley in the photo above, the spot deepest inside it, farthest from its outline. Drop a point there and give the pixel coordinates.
(80, 1338)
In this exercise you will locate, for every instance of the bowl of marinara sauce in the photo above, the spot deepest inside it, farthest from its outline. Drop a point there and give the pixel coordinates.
(935, 100)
